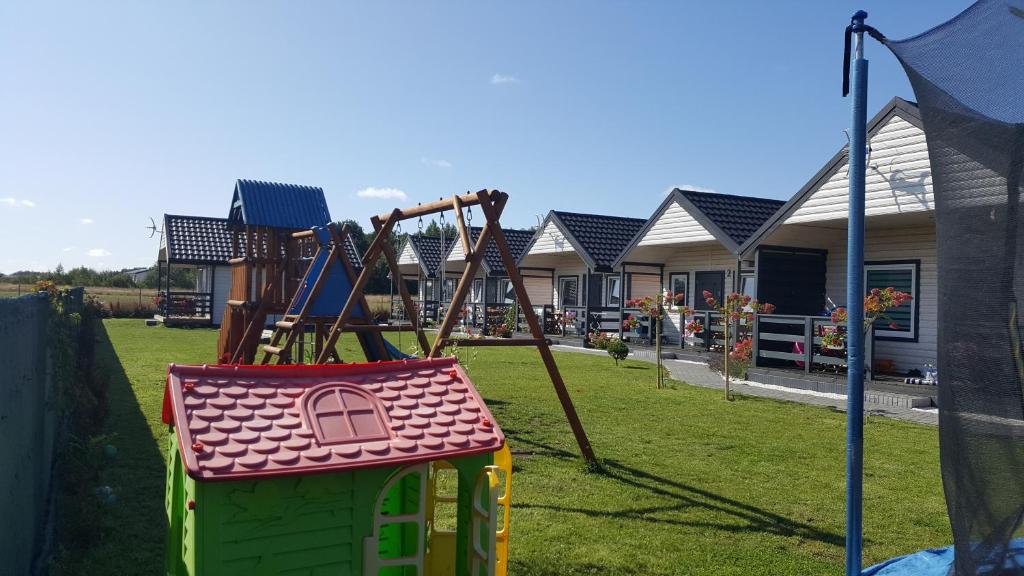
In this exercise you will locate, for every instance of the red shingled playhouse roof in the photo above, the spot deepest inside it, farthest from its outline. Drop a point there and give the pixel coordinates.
(236, 422)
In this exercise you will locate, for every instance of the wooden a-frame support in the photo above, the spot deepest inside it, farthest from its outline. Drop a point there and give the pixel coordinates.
(291, 326)
(492, 203)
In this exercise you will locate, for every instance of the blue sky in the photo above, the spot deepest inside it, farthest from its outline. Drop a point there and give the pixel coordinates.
(111, 113)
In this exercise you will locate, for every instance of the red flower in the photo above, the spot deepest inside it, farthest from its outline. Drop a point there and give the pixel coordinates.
(839, 316)
(894, 326)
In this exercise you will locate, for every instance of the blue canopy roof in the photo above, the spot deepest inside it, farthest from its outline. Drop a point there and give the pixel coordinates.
(277, 205)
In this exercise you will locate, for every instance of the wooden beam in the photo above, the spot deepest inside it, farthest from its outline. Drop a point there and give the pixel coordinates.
(369, 260)
(466, 281)
(411, 312)
(436, 206)
(492, 214)
(463, 230)
(340, 237)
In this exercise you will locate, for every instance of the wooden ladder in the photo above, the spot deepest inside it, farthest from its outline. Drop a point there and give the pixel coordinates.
(291, 326)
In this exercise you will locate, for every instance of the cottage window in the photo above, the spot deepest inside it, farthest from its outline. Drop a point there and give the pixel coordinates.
(613, 292)
(449, 289)
(903, 276)
(505, 288)
(568, 290)
(477, 294)
(677, 284)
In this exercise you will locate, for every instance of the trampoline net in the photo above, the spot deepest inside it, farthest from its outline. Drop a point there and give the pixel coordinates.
(968, 75)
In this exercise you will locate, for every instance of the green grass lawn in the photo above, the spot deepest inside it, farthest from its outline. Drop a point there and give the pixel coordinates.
(692, 484)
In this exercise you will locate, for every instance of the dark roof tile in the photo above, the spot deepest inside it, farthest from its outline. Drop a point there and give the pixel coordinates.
(197, 239)
(737, 216)
(602, 237)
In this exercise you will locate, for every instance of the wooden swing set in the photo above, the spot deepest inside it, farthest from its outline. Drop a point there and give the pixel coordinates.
(491, 203)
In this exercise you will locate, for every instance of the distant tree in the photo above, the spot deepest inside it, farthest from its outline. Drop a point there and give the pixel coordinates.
(433, 229)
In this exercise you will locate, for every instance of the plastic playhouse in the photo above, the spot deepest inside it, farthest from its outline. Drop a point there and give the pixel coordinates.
(362, 469)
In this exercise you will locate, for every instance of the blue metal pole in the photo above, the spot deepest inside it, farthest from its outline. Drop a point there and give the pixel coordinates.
(855, 306)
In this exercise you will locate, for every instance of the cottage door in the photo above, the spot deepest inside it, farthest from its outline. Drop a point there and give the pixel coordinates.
(713, 282)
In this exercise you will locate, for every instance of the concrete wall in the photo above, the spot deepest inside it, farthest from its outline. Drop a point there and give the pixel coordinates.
(30, 400)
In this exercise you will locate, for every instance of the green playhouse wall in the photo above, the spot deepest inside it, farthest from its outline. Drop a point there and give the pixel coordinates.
(297, 525)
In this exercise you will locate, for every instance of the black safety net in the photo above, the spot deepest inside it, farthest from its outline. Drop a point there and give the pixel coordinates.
(968, 75)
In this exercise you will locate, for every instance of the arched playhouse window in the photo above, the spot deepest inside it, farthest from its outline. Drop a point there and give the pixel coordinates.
(344, 413)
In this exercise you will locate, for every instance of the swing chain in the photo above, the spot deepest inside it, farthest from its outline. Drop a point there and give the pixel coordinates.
(419, 225)
(469, 215)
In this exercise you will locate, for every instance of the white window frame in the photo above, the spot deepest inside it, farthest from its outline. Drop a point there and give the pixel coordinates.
(477, 291)
(915, 289)
(686, 291)
(561, 292)
(608, 295)
(446, 293)
(504, 287)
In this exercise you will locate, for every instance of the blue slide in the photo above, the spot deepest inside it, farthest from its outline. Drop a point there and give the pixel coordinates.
(333, 294)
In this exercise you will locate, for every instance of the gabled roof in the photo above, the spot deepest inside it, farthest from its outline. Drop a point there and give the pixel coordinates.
(428, 251)
(517, 240)
(197, 239)
(596, 238)
(244, 422)
(896, 107)
(729, 218)
(277, 205)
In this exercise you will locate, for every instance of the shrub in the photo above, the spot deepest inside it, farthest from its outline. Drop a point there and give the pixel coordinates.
(617, 349)
(501, 331)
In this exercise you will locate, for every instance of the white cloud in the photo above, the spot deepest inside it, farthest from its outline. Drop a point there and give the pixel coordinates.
(86, 220)
(71, 248)
(17, 202)
(691, 187)
(382, 193)
(98, 253)
(435, 163)
(504, 79)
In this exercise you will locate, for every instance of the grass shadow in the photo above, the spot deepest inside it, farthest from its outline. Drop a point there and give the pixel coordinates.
(748, 518)
(133, 526)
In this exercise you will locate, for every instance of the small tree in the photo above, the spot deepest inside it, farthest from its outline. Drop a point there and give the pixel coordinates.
(617, 349)
(735, 308)
(654, 307)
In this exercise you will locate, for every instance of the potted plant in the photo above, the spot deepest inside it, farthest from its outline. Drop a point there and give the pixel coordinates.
(832, 338)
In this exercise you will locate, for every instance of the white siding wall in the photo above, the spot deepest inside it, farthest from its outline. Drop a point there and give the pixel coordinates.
(551, 241)
(913, 242)
(675, 226)
(917, 243)
(457, 254)
(221, 289)
(898, 178)
(696, 259)
(407, 256)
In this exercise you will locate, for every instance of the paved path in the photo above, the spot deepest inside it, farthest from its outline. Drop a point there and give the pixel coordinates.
(698, 374)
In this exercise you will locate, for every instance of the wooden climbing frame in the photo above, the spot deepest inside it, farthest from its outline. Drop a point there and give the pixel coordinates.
(492, 203)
